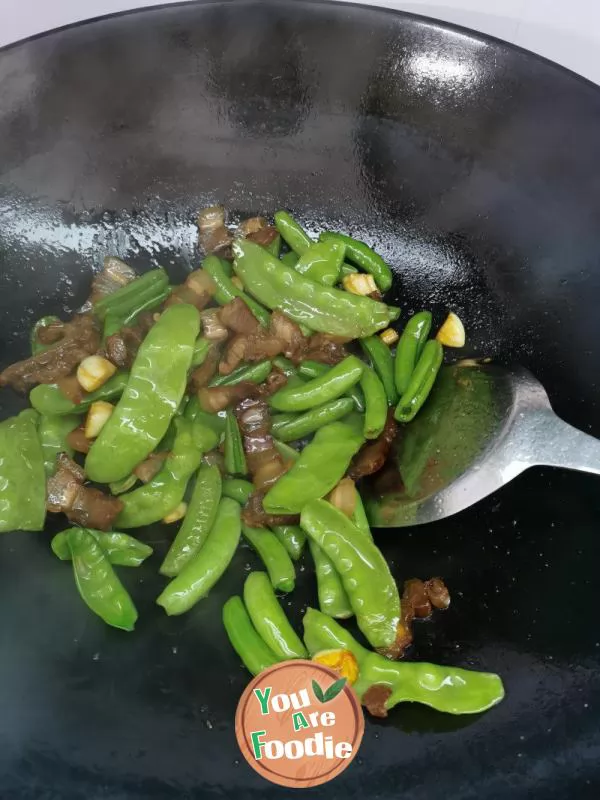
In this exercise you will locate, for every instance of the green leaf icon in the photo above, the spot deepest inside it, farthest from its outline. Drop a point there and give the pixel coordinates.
(318, 692)
(333, 691)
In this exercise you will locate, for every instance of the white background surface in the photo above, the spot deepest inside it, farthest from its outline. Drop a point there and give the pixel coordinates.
(567, 31)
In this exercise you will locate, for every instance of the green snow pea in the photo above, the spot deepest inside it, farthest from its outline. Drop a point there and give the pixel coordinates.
(150, 400)
(269, 619)
(322, 262)
(237, 489)
(366, 576)
(201, 348)
(289, 259)
(198, 521)
(53, 432)
(409, 348)
(292, 232)
(48, 399)
(152, 501)
(274, 247)
(274, 556)
(193, 412)
(320, 308)
(245, 640)
(421, 381)
(227, 291)
(285, 365)
(97, 583)
(235, 458)
(364, 256)
(292, 537)
(285, 451)
(347, 269)
(322, 632)
(376, 405)
(118, 487)
(22, 474)
(330, 386)
(200, 574)
(359, 518)
(304, 424)
(115, 320)
(255, 373)
(129, 298)
(43, 322)
(382, 362)
(321, 465)
(315, 369)
(204, 436)
(120, 549)
(333, 599)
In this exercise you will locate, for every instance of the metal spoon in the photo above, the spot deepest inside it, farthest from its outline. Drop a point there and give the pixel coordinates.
(481, 427)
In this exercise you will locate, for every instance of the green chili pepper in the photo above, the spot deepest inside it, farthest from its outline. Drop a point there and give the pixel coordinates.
(292, 232)
(36, 346)
(364, 256)
(201, 349)
(409, 348)
(153, 393)
(22, 474)
(48, 399)
(245, 640)
(292, 537)
(237, 489)
(235, 458)
(285, 365)
(288, 453)
(53, 432)
(98, 585)
(376, 405)
(333, 599)
(255, 373)
(383, 364)
(314, 369)
(359, 517)
(274, 247)
(120, 549)
(304, 424)
(119, 487)
(115, 320)
(198, 521)
(347, 269)
(198, 577)
(274, 556)
(321, 465)
(421, 382)
(269, 618)
(154, 500)
(129, 298)
(289, 259)
(322, 262)
(330, 386)
(364, 571)
(227, 291)
(321, 308)
(321, 632)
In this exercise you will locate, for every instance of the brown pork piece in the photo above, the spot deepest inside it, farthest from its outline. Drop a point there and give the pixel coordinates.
(78, 441)
(122, 347)
(325, 348)
(438, 593)
(372, 456)
(375, 698)
(62, 487)
(282, 337)
(263, 236)
(149, 468)
(214, 237)
(50, 334)
(202, 375)
(237, 317)
(265, 463)
(254, 515)
(94, 509)
(114, 275)
(218, 398)
(197, 290)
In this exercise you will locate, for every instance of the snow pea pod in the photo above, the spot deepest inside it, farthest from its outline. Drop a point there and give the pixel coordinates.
(237, 489)
(235, 458)
(289, 259)
(274, 556)
(245, 640)
(97, 583)
(364, 256)
(383, 364)
(375, 403)
(274, 247)
(314, 369)
(198, 577)
(333, 599)
(421, 381)
(409, 348)
(255, 373)
(22, 475)
(53, 432)
(292, 537)
(269, 618)
(321, 465)
(129, 298)
(333, 384)
(322, 262)
(366, 576)
(320, 308)
(303, 424)
(43, 322)
(115, 320)
(292, 232)
(48, 399)
(227, 291)
(359, 518)
(201, 349)
(150, 400)
(193, 412)
(153, 501)
(198, 521)
(288, 453)
(121, 549)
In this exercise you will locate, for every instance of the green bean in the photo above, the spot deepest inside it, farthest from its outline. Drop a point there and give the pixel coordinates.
(359, 517)
(330, 386)
(285, 365)
(314, 369)
(47, 398)
(293, 234)
(198, 521)
(129, 297)
(289, 259)
(409, 348)
(333, 599)
(274, 556)
(201, 350)
(227, 291)
(22, 476)
(198, 577)
(375, 403)
(322, 262)
(382, 362)
(269, 618)
(245, 640)
(288, 453)
(421, 382)
(255, 373)
(114, 320)
(36, 346)
(235, 458)
(292, 537)
(53, 432)
(304, 424)
(237, 489)
(364, 256)
(120, 549)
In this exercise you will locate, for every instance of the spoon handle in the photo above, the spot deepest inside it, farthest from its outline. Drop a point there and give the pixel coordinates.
(554, 443)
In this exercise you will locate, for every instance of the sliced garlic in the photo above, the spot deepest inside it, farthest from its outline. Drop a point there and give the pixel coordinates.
(94, 371)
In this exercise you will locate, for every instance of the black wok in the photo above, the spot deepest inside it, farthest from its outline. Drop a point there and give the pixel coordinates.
(474, 166)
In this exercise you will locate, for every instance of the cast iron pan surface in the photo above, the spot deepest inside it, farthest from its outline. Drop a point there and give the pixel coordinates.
(474, 167)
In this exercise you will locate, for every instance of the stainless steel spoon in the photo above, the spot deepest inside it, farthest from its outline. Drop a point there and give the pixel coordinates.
(481, 427)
